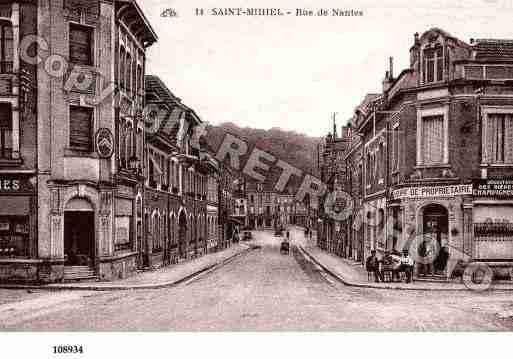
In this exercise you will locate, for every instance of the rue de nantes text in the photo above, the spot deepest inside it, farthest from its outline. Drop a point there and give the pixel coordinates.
(303, 12)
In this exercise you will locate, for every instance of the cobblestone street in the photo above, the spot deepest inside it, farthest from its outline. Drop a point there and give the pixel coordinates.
(261, 290)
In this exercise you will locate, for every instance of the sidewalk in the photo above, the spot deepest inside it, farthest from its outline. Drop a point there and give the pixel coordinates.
(160, 278)
(354, 274)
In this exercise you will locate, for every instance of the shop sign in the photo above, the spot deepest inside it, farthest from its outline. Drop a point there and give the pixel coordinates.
(496, 188)
(433, 191)
(10, 185)
(104, 143)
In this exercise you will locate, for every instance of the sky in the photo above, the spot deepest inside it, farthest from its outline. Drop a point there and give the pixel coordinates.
(296, 72)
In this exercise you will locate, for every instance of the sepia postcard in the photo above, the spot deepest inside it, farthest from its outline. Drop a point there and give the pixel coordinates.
(220, 166)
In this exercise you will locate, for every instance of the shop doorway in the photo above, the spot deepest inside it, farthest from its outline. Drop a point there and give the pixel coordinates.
(435, 229)
(79, 235)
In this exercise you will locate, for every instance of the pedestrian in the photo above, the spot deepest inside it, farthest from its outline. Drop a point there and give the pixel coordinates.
(372, 266)
(310, 233)
(407, 266)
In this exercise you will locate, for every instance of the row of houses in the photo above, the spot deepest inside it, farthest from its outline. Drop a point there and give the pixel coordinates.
(261, 207)
(431, 156)
(92, 183)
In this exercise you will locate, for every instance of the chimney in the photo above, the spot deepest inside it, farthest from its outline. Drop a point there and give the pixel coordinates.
(391, 71)
(334, 126)
(414, 51)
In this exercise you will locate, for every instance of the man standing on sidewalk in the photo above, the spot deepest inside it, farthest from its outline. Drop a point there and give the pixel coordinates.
(372, 266)
(407, 266)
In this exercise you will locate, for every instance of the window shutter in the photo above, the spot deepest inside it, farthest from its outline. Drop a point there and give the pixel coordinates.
(508, 139)
(433, 139)
(490, 139)
(80, 128)
(80, 45)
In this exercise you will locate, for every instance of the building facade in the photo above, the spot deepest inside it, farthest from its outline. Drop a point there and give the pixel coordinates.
(76, 214)
(93, 187)
(429, 161)
(20, 257)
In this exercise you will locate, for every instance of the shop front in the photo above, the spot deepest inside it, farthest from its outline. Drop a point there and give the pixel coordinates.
(432, 225)
(18, 229)
(492, 215)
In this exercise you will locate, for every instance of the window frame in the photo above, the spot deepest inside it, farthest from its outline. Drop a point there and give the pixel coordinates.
(91, 32)
(438, 63)
(486, 112)
(432, 112)
(90, 149)
(6, 66)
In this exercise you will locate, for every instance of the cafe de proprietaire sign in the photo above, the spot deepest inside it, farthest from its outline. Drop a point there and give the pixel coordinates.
(433, 191)
(494, 188)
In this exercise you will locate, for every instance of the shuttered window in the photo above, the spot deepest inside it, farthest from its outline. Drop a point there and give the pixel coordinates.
(81, 124)
(6, 47)
(432, 140)
(5, 131)
(80, 45)
(500, 138)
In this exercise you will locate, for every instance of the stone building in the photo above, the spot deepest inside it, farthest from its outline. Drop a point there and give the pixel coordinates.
(77, 197)
(229, 226)
(331, 233)
(262, 204)
(20, 253)
(213, 177)
(241, 202)
(175, 194)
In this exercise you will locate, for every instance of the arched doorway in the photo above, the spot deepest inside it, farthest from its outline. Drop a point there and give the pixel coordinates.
(182, 235)
(435, 234)
(79, 233)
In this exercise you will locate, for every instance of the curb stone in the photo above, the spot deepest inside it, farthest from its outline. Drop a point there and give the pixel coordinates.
(93, 287)
(344, 281)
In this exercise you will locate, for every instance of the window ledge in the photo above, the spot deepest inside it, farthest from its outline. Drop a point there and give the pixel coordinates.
(440, 165)
(11, 162)
(70, 152)
(497, 165)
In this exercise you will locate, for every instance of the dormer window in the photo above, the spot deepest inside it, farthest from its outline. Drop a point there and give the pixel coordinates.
(433, 70)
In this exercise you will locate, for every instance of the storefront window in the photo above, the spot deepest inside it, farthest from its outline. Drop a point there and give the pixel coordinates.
(14, 236)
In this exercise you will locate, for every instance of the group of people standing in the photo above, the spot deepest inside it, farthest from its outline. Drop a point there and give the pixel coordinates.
(391, 262)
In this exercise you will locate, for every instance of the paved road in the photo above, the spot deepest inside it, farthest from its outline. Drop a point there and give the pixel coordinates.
(261, 290)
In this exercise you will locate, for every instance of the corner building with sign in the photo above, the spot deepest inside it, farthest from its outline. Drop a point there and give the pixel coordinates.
(71, 139)
(437, 154)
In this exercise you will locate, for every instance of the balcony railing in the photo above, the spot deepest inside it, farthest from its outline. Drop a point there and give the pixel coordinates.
(496, 231)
